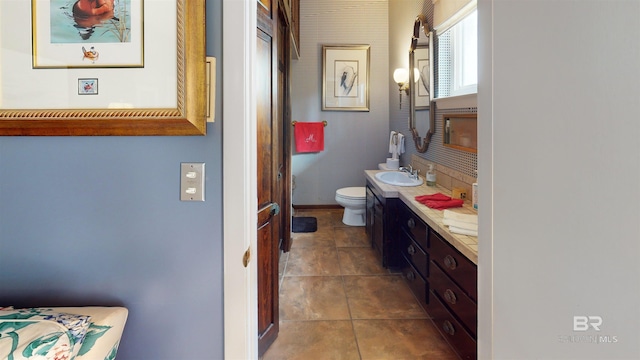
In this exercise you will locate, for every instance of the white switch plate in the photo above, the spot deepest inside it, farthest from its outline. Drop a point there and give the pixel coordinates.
(191, 181)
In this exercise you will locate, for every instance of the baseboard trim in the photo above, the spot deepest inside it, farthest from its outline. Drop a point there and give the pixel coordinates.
(317, 207)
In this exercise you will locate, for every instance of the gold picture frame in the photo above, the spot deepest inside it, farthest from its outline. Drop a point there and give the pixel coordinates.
(187, 117)
(345, 77)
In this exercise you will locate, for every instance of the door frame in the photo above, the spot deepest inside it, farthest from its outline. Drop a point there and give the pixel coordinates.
(239, 166)
(240, 188)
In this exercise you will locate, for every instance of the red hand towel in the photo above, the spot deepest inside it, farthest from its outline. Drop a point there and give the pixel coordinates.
(439, 201)
(436, 197)
(441, 205)
(309, 136)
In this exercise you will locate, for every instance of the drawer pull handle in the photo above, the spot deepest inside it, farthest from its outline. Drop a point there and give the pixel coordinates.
(450, 262)
(448, 328)
(450, 296)
(411, 223)
(411, 250)
(411, 276)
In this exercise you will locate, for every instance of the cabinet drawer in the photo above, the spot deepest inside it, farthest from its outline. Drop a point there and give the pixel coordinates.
(459, 339)
(454, 298)
(417, 284)
(457, 266)
(414, 253)
(415, 226)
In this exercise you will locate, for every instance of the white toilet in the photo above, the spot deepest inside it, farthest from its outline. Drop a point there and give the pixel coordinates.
(354, 201)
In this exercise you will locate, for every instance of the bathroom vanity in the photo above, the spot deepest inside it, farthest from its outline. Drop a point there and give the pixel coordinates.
(381, 216)
(440, 267)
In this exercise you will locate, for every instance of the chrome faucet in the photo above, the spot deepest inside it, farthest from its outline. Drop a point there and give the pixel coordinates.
(409, 170)
(413, 174)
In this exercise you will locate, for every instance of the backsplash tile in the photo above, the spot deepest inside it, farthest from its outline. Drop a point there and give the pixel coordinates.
(445, 176)
(443, 179)
(464, 163)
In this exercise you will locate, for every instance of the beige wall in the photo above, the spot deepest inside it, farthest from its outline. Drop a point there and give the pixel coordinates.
(559, 174)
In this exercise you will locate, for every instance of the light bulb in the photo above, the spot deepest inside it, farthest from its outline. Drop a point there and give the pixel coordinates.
(401, 76)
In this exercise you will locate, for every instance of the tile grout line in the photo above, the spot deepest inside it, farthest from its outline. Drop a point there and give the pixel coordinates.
(284, 272)
(344, 288)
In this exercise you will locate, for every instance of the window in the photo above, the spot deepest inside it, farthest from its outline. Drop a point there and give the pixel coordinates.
(458, 58)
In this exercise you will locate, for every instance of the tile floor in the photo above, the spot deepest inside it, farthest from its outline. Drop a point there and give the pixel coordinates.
(337, 302)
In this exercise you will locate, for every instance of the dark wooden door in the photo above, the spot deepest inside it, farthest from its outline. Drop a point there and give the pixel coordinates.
(271, 172)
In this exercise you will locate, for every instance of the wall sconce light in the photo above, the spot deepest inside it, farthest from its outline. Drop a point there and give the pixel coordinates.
(401, 77)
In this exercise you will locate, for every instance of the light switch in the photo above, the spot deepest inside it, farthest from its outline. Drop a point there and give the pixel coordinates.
(191, 181)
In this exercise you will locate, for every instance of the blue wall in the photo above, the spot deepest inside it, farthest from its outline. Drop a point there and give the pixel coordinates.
(98, 221)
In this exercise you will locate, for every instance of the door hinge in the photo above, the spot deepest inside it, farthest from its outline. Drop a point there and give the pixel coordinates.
(246, 257)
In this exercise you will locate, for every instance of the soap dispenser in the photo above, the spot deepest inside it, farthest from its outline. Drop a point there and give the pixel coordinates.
(431, 176)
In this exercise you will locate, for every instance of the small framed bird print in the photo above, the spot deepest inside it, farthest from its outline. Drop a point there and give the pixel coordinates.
(345, 77)
(87, 86)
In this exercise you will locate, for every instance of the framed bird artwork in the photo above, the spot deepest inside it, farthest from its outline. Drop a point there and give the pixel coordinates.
(345, 77)
(148, 57)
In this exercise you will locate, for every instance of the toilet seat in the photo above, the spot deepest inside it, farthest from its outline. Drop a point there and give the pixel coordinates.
(353, 193)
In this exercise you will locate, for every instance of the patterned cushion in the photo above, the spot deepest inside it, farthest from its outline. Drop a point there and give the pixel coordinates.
(65, 333)
(34, 339)
(105, 331)
(74, 326)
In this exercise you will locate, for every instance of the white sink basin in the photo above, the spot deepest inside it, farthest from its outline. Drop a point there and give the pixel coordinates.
(398, 178)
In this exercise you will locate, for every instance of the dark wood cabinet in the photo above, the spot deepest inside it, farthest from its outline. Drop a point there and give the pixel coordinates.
(380, 225)
(414, 267)
(441, 278)
(414, 253)
(370, 212)
(414, 226)
(413, 249)
(457, 267)
(455, 299)
(463, 343)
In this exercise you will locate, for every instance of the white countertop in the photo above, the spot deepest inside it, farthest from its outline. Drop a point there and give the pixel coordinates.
(467, 245)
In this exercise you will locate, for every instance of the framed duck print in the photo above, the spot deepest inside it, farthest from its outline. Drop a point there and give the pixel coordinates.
(148, 58)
